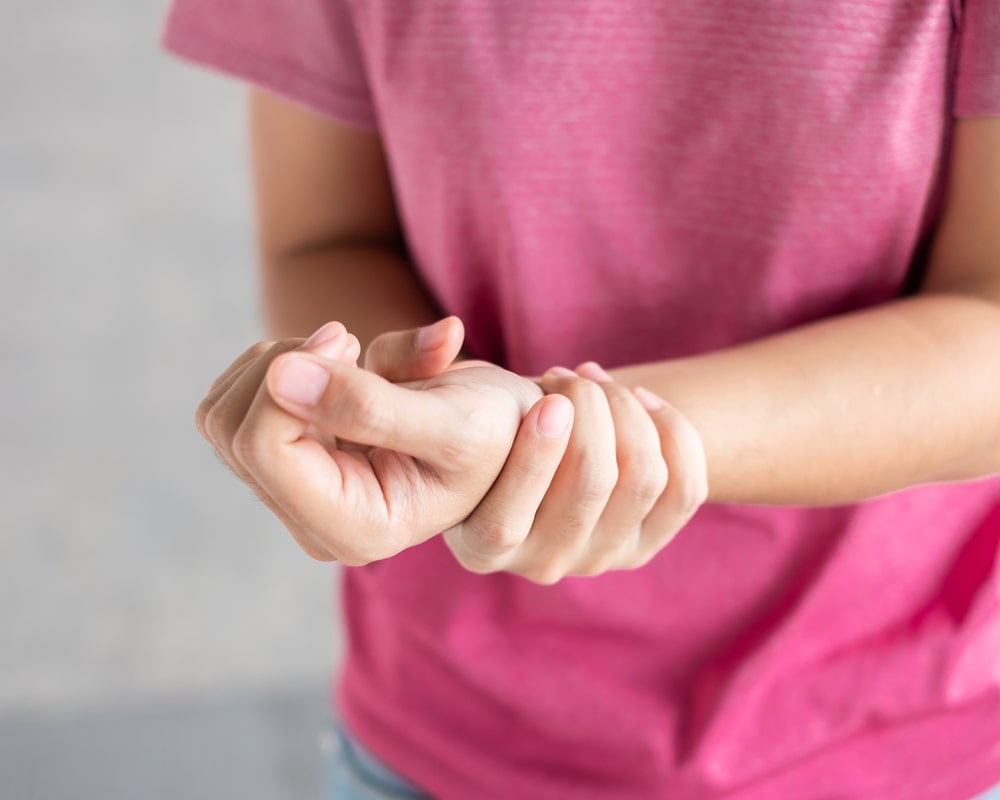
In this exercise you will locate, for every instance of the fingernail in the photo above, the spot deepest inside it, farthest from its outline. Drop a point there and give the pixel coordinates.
(648, 400)
(300, 381)
(432, 337)
(560, 372)
(555, 418)
(593, 371)
(324, 334)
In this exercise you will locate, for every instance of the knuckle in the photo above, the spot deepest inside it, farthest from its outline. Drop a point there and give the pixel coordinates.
(359, 553)
(644, 478)
(616, 542)
(639, 551)
(595, 481)
(475, 564)
(218, 427)
(641, 558)
(592, 568)
(493, 538)
(381, 540)
(468, 559)
(544, 574)
(312, 548)
(354, 552)
(350, 558)
(248, 447)
(692, 494)
(701, 492)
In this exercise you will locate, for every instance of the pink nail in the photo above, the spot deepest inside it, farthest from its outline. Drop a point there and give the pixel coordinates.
(593, 371)
(431, 337)
(324, 334)
(555, 418)
(300, 381)
(649, 401)
(561, 372)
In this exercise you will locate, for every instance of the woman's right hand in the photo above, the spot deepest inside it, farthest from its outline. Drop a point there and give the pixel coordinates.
(359, 468)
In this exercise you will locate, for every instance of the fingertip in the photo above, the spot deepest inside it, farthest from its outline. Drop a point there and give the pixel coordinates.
(455, 325)
(297, 380)
(555, 416)
(554, 377)
(325, 333)
(648, 400)
(353, 350)
(433, 337)
(593, 371)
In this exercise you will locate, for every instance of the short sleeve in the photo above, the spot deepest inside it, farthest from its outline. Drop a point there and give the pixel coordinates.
(977, 88)
(305, 50)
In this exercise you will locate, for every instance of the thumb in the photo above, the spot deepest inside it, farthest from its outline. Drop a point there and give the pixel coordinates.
(418, 353)
(339, 402)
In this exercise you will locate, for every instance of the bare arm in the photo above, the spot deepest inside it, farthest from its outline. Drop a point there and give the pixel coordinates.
(839, 411)
(330, 241)
(857, 406)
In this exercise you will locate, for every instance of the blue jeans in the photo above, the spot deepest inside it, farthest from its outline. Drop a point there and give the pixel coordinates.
(355, 774)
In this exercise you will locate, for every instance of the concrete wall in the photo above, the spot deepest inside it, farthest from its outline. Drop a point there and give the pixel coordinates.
(160, 634)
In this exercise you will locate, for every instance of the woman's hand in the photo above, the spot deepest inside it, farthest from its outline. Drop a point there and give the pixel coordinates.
(358, 468)
(632, 476)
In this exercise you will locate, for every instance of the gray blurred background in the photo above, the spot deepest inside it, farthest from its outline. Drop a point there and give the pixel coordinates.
(160, 635)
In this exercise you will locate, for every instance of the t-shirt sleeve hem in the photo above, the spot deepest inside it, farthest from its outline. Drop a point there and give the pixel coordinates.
(207, 51)
(981, 101)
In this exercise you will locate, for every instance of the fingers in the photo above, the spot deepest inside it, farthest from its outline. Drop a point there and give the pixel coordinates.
(277, 415)
(223, 412)
(607, 504)
(642, 477)
(418, 353)
(356, 405)
(687, 487)
(332, 341)
(579, 491)
(485, 541)
(331, 501)
(223, 409)
(223, 383)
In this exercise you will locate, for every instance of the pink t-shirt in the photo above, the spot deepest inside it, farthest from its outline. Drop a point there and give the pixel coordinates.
(629, 180)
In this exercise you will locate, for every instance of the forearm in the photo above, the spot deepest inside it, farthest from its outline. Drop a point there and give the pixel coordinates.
(370, 288)
(846, 409)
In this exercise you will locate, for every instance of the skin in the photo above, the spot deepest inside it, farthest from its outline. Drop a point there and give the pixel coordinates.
(839, 411)
(455, 453)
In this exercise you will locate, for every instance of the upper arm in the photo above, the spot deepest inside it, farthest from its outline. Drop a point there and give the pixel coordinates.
(966, 254)
(317, 183)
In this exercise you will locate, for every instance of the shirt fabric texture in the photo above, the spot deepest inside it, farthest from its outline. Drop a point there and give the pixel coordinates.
(635, 180)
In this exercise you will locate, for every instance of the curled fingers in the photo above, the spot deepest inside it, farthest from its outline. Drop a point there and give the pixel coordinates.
(489, 538)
